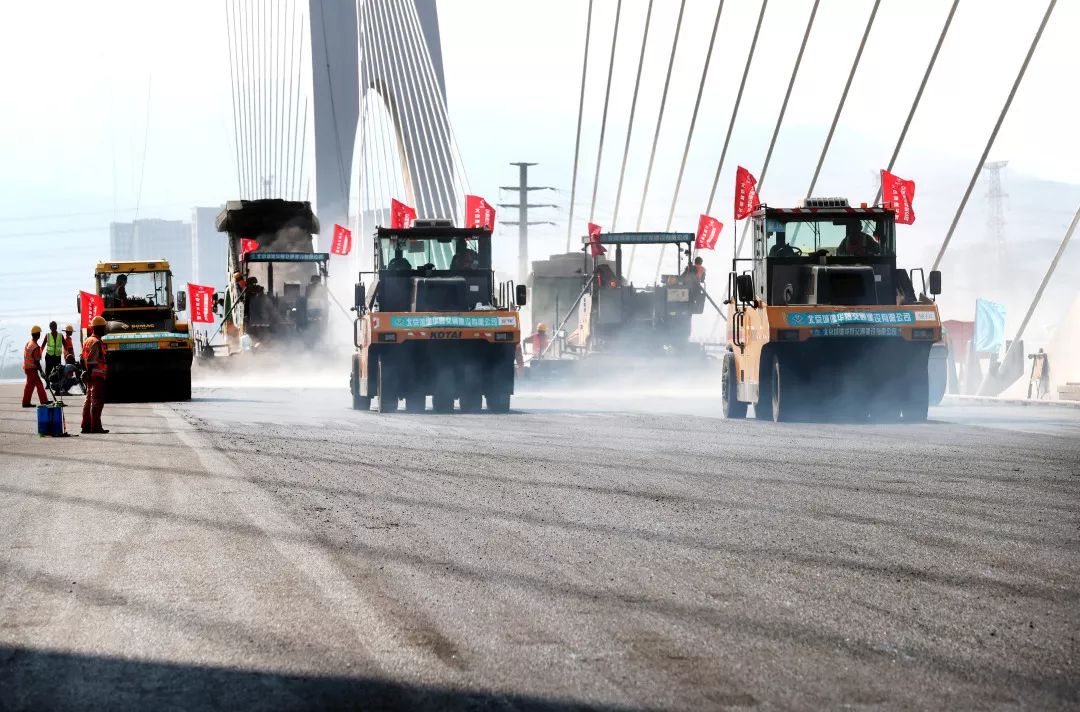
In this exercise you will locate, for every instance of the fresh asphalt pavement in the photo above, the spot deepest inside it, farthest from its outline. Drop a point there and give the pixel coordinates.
(270, 548)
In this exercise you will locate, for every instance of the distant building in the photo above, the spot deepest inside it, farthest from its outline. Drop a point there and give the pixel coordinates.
(154, 239)
(208, 248)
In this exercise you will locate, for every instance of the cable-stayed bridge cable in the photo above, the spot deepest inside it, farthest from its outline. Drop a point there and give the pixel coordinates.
(577, 140)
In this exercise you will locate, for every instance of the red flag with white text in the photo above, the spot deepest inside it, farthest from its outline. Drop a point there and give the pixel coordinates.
(595, 247)
(746, 196)
(401, 215)
(708, 232)
(341, 244)
(90, 305)
(479, 212)
(247, 245)
(200, 303)
(898, 194)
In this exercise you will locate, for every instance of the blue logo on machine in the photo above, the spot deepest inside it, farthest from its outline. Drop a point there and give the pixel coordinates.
(801, 318)
(427, 322)
(856, 331)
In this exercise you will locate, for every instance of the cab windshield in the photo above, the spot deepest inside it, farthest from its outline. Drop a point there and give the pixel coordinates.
(457, 254)
(855, 236)
(120, 290)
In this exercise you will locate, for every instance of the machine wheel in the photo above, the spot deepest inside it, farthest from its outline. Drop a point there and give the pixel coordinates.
(917, 398)
(387, 388)
(471, 396)
(442, 396)
(416, 401)
(783, 391)
(359, 402)
(731, 406)
(183, 387)
(498, 400)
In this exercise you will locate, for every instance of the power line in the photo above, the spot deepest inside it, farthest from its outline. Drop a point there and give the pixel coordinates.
(656, 133)
(603, 118)
(918, 94)
(843, 97)
(577, 141)
(993, 134)
(735, 109)
(780, 118)
(630, 122)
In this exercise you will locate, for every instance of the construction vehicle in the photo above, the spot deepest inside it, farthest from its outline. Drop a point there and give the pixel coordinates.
(431, 325)
(150, 349)
(823, 323)
(618, 325)
(276, 293)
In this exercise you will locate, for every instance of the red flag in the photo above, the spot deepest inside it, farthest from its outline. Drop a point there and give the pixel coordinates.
(898, 193)
(708, 232)
(479, 213)
(595, 248)
(90, 305)
(401, 215)
(247, 245)
(746, 197)
(342, 242)
(201, 303)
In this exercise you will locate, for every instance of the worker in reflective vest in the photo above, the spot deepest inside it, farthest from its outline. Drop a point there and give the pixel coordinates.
(32, 369)
(54, 349)
(93, 356)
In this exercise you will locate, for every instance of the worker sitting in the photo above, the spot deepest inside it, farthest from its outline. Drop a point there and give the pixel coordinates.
(400, 263)
(465, 257)
(115, 295)
(857, 243)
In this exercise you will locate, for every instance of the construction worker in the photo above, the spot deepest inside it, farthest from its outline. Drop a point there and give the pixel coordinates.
(69, 346)
(54, 349)
(32, 368)
(93, 356)
(539, 340)
(699, 270)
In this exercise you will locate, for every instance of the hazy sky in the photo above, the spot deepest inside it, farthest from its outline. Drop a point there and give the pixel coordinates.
(123, 103)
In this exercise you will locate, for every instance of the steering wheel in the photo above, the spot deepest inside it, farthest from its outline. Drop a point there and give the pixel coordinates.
(789, 251)
(150, 300)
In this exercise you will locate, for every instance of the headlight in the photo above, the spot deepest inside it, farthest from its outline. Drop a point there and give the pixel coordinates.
(504, 336)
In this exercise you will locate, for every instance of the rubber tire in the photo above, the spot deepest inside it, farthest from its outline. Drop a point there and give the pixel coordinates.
(183, 387)
(730, 405)
(498, 401)
(917, 403)
(359, 402)
(416, 402)
(442, 393)
(784, 398)
(471, 395)
(388, 397)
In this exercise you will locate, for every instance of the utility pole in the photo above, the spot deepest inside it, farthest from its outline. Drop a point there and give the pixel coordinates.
(522, 222)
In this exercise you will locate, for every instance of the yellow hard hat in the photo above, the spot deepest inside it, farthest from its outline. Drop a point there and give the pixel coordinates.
(541, 326)
(69, 328)
(35, 329)
(99, 321)
(236, 275)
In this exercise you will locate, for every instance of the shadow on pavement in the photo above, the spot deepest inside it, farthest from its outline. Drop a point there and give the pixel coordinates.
(45, 680)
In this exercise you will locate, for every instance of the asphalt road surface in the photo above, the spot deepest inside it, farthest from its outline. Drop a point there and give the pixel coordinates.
(269, 548)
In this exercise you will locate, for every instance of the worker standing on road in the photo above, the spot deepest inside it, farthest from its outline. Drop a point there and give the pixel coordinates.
(93, 354)
(54, 349)
(32, 368)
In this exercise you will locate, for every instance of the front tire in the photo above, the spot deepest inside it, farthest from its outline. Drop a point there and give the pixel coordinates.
(731, 406)
(917, 402)
(783, 391)
(387, 388)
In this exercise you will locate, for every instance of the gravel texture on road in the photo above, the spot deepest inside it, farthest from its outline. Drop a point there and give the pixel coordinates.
(270, 548)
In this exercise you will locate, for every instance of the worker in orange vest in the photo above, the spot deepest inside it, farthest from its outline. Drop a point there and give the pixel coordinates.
(32, 368)
(69, 347)
(93, 356)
